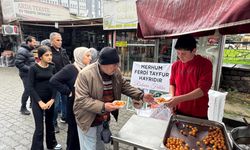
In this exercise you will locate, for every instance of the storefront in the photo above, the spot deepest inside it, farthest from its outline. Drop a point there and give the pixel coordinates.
(132, 49)
(40, 19)
(88, 33)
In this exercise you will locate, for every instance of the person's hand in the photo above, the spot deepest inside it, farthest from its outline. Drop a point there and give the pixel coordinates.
(110, 107)
(50, 103)
(173, 102)
(173, 110)
(42, 105)
(147, 97)
(137, 104)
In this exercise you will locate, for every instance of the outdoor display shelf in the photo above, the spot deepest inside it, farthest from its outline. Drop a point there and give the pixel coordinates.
(141, 132)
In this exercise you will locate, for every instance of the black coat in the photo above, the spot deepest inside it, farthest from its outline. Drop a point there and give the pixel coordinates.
(24, 59)
(64, 80)
(60, 58)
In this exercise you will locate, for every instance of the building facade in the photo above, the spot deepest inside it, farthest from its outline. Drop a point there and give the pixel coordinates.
(80, 8)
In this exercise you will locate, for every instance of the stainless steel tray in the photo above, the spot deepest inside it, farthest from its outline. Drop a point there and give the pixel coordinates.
(173, 130)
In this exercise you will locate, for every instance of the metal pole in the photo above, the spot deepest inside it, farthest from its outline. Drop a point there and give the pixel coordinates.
(115, 145)
(20, 31)
(173, 52)
(220, 62)
(114, 39)
(156, 50)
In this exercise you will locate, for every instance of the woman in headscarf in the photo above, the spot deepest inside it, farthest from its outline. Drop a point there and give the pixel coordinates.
(94, 55)
(64, 81)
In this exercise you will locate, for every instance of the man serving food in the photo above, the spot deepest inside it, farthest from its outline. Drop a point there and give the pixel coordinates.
(190, 80)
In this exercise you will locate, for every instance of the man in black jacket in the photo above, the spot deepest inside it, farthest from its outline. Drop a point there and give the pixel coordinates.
(24, 59)
(60, 59)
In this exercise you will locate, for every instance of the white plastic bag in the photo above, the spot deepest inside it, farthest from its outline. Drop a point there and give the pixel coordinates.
(162, 112)
(216, 105)
(144, 112)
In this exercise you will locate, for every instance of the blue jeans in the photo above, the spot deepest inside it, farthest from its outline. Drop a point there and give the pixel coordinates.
(60, 106)
(64, 99)
(92, 139)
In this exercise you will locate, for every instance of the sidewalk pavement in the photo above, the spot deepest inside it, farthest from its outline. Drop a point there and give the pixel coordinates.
(16, 130)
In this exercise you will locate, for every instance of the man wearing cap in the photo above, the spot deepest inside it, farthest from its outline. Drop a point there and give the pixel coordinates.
(96, 87)
(191, 78)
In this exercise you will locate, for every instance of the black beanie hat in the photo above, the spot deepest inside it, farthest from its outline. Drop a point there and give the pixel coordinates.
(108, 55)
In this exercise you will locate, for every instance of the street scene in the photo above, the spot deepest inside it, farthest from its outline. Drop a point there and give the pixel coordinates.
(17, 130)
(124, 75)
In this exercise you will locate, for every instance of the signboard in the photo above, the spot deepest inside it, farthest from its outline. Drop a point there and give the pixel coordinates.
(121, 44)
(119, 14)
(33, 10)
(151, 76)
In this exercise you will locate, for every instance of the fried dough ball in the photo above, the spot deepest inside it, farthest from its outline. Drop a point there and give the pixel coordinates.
(176, 144)
(215, 138)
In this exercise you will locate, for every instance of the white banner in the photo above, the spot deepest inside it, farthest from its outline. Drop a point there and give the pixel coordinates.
(33, 10)
(151, 76)
(41, 11)
(119, 14)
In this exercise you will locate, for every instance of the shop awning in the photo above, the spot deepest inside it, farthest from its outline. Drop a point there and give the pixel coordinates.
(66, 23)
(170, 18)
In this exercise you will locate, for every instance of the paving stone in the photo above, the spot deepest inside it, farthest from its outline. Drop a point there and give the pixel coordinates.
(9, 141)
(4, 147)
(20, 147)
(10, 133)
(25, 141)
(17, 137)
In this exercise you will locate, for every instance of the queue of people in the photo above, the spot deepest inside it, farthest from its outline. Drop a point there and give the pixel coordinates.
(87, 88)
(52, 61)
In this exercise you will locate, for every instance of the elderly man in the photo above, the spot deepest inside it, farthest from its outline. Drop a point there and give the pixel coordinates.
(24, 59)
(96, 87)
(60, 59)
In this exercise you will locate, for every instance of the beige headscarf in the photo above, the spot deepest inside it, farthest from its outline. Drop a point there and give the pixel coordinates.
(79, 52)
